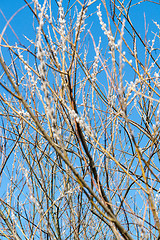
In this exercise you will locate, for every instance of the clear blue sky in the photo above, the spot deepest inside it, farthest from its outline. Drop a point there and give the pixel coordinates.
(22, 22)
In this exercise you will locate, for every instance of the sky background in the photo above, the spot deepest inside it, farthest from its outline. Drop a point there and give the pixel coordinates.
(22, 22)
